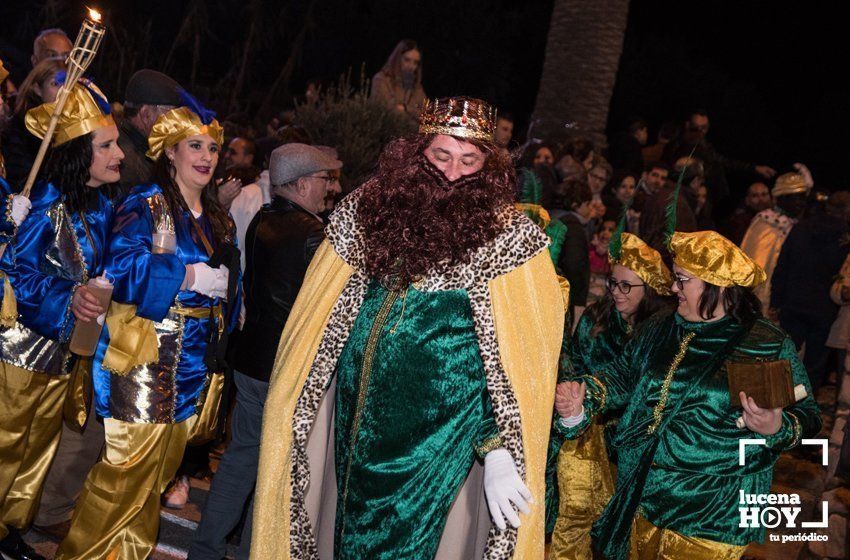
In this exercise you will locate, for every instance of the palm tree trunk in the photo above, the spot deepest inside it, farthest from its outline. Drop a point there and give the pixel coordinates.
(582, 56)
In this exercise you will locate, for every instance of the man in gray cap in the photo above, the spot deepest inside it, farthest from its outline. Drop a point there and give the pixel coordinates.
(149, 94)
(279, 245)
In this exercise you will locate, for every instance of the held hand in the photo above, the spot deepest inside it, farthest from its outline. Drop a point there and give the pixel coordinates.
(20, 208)
(569, 398)
(807, 175)
(85, 306)
(228, 191)
(504, 489)
(765, 171)
(764, 421)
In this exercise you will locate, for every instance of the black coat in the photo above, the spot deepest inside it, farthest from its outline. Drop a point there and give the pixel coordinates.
(279, 245)
(810, 259)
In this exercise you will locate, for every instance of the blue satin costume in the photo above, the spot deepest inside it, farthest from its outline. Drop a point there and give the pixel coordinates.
(165, 392)
(52, 253)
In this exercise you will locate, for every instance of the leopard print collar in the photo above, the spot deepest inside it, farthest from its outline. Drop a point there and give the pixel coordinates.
(520, 240)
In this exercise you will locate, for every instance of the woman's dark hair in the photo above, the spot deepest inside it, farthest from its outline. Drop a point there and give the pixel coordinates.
(68, 169)
(652, 303)
(392, 67)
(579, 149)
(214, 211)
(739, 303)
(572, 192)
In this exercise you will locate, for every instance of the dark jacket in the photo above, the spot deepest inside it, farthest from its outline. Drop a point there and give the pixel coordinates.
(739, 223)
(279, 245)
(20, 147)
(625, 154)
(810, 259)
(136, 167)
(574, 261)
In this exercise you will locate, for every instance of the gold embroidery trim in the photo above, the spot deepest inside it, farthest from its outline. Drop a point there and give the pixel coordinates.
(798, 430)
(365, 374)
(488, 445)
(603, 391)
(657, 412)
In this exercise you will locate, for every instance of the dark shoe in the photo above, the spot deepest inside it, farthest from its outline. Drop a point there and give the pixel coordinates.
(57, 531)
(13, 547)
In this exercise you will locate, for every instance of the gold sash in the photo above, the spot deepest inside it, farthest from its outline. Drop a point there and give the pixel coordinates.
(9, 311)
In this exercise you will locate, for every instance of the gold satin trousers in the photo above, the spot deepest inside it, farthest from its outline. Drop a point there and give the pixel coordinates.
(585, 484)
(30, 426)
(654, 543)
(117, 514)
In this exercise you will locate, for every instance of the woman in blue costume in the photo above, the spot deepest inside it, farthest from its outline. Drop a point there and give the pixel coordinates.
(581, 478)
(160, 346)
(59, 246)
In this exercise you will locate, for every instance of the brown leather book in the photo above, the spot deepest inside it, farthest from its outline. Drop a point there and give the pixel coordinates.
(770, 384)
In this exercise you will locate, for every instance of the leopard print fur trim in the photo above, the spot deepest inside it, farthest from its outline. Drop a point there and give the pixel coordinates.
(341, 320)
(500, 544)
(520, 240)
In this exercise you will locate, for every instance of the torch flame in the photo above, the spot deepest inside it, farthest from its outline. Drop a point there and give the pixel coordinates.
(94, 15)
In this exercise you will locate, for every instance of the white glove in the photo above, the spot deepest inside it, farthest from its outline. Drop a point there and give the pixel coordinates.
(573, 421)
(20, 208)
(503, 487)
(209, 281)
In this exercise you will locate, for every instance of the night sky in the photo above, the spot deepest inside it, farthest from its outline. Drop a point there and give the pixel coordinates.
(768, 73)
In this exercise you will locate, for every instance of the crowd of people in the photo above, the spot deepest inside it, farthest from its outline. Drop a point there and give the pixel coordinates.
(484, 348)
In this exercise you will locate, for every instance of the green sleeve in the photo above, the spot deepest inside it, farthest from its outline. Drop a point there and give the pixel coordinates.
(488, 437)
(802, 419)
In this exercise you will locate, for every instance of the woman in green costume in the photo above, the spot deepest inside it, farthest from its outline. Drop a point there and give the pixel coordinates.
(679, 481)
(638, 288)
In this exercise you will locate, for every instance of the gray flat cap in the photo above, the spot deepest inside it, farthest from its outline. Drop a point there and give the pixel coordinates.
(291, 161)
(149, 87)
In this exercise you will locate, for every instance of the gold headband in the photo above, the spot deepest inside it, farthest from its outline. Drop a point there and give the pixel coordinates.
(644, 261)
(80, 115)
(179, 124)
(463, 117)
(714, 259)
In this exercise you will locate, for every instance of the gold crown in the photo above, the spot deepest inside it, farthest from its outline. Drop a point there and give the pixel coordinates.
(464, 117)
(80, 115)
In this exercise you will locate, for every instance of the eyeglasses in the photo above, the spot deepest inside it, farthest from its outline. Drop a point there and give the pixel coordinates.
(326, 178)
(624, 287)
(680, 282)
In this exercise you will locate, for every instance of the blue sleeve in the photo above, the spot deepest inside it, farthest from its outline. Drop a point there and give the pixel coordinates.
(44, 300)
(149, 281)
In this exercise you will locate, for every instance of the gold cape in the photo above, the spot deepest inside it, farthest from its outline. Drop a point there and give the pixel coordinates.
(528, 306)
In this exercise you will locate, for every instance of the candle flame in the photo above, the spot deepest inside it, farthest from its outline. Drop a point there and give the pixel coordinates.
(94, 15)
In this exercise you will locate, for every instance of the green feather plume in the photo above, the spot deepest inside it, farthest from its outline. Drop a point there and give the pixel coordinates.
(673, 204)
(615, 246)
(532, 188)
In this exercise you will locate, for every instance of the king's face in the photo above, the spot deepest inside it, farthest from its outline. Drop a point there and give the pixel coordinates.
(454, 157)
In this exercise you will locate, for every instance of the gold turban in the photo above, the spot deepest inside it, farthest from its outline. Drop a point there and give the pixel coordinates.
(644, 261)
(179, 124)
(3, 72)
(789, 183)
(81, 114)
(714, 259)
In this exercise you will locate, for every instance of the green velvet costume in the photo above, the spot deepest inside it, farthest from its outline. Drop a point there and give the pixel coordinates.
(412, 408)
(584, 352)
(677, 447)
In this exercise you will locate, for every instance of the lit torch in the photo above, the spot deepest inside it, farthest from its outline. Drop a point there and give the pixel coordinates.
(85, 48)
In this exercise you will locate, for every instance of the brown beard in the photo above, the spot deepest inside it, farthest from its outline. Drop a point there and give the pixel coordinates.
(418, 222)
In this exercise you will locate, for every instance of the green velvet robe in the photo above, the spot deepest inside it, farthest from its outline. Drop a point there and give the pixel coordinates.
(582, 353)
(692, 479)
(412, 408)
